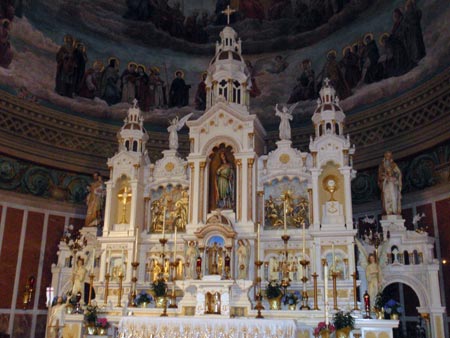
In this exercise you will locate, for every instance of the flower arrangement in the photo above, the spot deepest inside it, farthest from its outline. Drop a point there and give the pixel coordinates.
(273, 290)
(322, 326)
(102, 322)
(91, 314)
(379, 300)
(393, 307)
(159, 288)
(342, 320)
(143, 297)
(291, 298)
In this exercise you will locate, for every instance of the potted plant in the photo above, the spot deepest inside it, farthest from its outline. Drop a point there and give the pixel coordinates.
(393, 308)
(273, 294)
(159, 289)
(143, 299)
(324, 330)
(102, 326)
(379, 305)
(291, 299)
(90, 318)
(344, 323)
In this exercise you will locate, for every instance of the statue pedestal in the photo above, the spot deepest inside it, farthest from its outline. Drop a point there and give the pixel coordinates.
(392, 223)
(332, 213)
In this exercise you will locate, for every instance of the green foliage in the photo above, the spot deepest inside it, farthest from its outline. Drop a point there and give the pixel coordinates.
(343, 319)
(91, 314)
(159, 288)
(380, 300)
(273, 290)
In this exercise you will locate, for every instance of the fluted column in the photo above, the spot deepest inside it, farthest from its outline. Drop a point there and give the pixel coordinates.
(250, 162)
(239, 190)
(202, 192)
(191, 192)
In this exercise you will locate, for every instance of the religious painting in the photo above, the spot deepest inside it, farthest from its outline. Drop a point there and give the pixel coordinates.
(169, 209)
(222, 178)
(286, 201)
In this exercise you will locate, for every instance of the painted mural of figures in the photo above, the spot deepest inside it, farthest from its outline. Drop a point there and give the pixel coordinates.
(350, 65)
(78, 277)
(89, 86)
(243, 258)
(191, 259)
(413, 31)
(142, 88)
(175, 126)
(279, 9)
(372, 69)
(128, 80)
(95, 201)
(285, 115)
(252, 9)
(65, 68)
(332, 71)
(254, 90)
(305, 89)
(80, 59)
(110, 92)
(200, 95)
(225, 178)
(390, 183)
(179, 91)
(157, 89)
(6, 54)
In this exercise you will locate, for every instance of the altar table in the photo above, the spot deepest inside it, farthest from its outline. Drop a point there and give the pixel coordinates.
(205, 327)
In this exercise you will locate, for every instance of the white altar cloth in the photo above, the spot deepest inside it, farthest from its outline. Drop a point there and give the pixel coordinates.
(205, 327)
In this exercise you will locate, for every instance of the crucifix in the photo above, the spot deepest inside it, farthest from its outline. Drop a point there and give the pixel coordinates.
(124, 196)
(228, 13)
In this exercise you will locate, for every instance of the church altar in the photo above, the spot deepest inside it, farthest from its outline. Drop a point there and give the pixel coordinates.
(159, 327)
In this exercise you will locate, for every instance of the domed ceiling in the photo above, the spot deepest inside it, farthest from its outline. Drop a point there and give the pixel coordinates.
(289, 47)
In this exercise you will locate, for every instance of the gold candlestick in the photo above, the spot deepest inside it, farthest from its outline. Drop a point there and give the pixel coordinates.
(173, 297)
(304, 263)
(334, 276)
(107, 276)
(355, 302)
(134, 279)
(314, 276)
(258, 305)
(91, 281)
(119, 296)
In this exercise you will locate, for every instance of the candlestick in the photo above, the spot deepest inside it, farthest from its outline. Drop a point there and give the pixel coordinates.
(284, 208)
(107, 276)
(164, 222)
(334, 276)
(314, 276)
(93, 261)
(355, 301)
(258, 241)
(175, 245)
(325, 277)
(304, 241)
(314, 257)
(136, 245)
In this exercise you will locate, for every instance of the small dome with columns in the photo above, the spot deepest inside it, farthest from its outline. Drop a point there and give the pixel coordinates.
(133, 136)
(228, 77)
(328, 117)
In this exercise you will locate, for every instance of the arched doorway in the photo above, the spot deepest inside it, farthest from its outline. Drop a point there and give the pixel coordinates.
(410, 325)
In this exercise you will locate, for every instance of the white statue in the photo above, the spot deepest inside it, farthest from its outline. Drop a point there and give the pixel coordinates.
(55, 319)
(285, 115)
(191, 259)
(373, 265)
(390, 183)
(243, 254)
(175, 126)
(78, 277)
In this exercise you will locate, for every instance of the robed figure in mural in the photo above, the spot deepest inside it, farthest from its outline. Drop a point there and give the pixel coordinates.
(179, 91)
(390, 184)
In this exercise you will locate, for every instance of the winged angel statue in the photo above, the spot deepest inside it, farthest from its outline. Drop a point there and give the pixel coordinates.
(285, 115)
(373, 264)
(175, 126)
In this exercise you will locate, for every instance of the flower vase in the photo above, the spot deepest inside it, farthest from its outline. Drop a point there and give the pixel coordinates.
(275, 303)
(292, 307)
(325, 333)
(160, 302)
(394, 316)
(343, 333)
(91, 329)
(379, 313)
(101, 331)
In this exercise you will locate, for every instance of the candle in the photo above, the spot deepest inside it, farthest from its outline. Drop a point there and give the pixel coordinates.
(93, 261)
(258, 240)
(164, 222)
(108, 260)
(304, 241)
(284, 208)
(175, 245)
(136, 245)
(325, 277)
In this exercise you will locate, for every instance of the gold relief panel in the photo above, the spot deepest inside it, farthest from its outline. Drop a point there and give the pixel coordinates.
(169, 209)
(286, 199)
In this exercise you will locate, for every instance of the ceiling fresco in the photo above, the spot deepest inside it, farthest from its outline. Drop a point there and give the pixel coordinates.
(92, 58)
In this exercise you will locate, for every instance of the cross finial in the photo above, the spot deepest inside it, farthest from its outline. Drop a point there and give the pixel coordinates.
(228, 13)
(326, 82)
(135, 102)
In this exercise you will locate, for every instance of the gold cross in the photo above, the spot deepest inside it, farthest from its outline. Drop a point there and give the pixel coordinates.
(124, 197)
(228, 13)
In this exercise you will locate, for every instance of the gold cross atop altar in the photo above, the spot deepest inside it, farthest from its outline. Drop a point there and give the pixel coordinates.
(124, 196)
(228, 11)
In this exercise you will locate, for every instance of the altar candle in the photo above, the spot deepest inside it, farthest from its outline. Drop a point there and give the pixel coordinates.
(164, 222)
(108, 260)
(325, 279)
(93, 261)
(284, 208)
(136, 245)
(175, 245)
(304, 240)
(258, 239)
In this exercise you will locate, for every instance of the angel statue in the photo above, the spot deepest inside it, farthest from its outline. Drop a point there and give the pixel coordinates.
(285, 115)
(175, 126)
(373, 264)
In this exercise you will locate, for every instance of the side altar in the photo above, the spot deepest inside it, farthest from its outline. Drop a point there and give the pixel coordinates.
(227, 233)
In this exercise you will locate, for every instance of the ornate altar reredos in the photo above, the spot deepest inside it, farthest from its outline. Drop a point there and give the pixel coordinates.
(221, 224)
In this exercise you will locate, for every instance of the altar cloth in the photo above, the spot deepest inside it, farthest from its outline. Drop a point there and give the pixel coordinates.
(205, 327)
